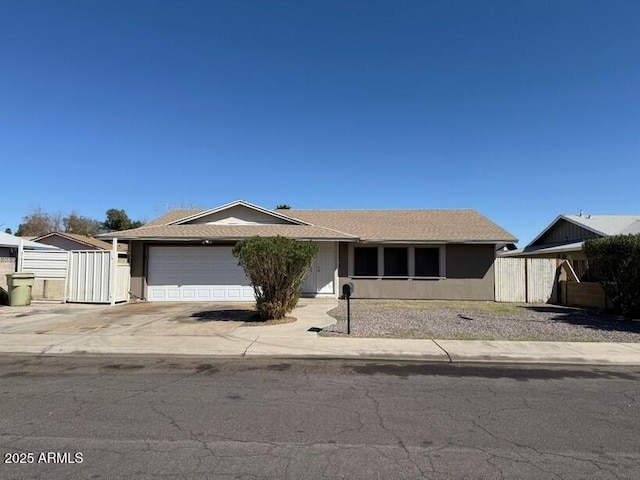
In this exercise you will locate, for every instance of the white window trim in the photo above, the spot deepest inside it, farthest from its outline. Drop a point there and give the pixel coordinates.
(411, 256)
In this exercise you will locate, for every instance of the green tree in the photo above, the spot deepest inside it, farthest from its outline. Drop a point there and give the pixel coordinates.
(276, 267)
(7, 230)
(74, 223)
(118, 220)
(283, 206)
(615, 262)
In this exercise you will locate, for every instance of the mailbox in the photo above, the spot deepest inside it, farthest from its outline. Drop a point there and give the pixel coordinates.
(347, 289)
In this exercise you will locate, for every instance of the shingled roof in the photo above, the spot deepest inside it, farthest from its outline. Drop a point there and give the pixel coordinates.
(83, 239)
(348, 225)
(230, 232)
(408, 225)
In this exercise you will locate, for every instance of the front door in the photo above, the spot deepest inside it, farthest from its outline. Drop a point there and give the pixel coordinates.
(320, 279)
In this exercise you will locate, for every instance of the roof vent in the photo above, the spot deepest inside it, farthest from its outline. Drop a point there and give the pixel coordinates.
(580, 213)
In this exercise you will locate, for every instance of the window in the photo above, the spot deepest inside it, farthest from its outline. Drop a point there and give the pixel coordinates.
(427, 262)
(396, 262)
(365, 261)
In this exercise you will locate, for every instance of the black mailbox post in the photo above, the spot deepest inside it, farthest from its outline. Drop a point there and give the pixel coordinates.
(347, 291)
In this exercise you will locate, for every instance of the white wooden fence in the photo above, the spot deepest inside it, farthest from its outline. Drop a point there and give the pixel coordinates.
(530, 280)
(91, 276)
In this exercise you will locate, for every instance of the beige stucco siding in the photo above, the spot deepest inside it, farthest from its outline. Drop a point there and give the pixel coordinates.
(48, 289)
(469, 276)
(240, 215)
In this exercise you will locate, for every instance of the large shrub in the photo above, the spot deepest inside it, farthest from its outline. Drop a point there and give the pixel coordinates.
(615, 262)
(277, 267)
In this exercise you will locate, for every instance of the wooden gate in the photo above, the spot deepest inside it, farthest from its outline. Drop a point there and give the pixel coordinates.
(530, 280)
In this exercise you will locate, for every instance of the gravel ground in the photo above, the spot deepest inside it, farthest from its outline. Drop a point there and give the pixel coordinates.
(480, 321)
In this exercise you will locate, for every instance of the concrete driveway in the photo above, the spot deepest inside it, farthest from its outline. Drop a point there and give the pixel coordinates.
(146, 319)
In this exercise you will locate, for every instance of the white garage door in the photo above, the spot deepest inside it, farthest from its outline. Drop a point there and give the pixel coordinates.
(196, 274)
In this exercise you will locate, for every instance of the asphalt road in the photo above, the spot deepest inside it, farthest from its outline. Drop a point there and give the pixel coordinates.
(96, 417)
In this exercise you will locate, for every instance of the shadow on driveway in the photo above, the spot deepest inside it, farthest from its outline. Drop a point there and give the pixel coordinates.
(224, 315)
(591, 319)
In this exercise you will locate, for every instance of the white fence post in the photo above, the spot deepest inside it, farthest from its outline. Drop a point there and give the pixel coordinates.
(20, 255)
(113, 273)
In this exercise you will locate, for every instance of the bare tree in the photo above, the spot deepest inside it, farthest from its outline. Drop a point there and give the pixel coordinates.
(39, 222)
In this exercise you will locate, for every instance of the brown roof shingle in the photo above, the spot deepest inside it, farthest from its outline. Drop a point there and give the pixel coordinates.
(172, 216)
(367, 225)
(229, 232)
(409, 225)
(91, 241)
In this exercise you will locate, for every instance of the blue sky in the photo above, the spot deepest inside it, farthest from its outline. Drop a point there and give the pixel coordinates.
(521, 110)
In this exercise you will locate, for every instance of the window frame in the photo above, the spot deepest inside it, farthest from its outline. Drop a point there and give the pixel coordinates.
(440, 263)
(352, 266)
(410, 260)
(384, 262)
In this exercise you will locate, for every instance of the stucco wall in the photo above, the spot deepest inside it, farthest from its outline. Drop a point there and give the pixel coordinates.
(41, 290)
(136, 261)
(7, 265)
(469, 276)
(584, 294)
(240, 215)
(343, 260)
(50, 289)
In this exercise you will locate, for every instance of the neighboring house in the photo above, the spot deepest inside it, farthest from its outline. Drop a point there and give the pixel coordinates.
(72, 241)
(9, 245)
(564, 238)
(186, 255)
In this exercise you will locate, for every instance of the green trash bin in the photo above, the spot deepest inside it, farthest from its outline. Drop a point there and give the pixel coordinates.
(19, 286)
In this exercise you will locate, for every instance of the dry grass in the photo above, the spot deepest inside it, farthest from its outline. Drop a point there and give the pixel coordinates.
(492, 308)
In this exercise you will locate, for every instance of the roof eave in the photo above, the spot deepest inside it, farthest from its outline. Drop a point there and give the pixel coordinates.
(221, 208)
(231, 238)
(439, 242)
(556, 249)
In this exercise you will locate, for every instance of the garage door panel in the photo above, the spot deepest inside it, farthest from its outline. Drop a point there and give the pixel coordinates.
(194, 273)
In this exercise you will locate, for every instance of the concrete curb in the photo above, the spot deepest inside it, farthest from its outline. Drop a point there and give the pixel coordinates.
(296, 341)
(440, 351)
